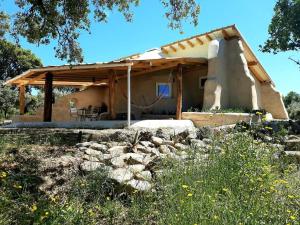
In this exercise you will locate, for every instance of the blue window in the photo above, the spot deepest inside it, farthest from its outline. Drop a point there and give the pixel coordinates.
(164, 90)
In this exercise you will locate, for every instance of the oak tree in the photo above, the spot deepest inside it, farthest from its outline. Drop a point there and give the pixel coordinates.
(284, 30)
(41, 21)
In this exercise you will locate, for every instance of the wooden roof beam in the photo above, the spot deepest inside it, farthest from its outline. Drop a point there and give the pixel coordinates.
(252, 63)
(164, 50)
(173, 48)
(199, 41)
(208, 37)
(181, 46)
(225, 35)
(190, 43)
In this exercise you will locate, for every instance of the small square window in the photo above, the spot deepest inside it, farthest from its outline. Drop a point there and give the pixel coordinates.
(202, 82)
(164, 90)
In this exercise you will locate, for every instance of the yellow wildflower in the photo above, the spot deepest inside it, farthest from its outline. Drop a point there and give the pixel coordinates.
(215, 217)
(185, 186)
(33, 208)
(90, 211)
(291, 196)
(17, 186)
(258, 113)
(190, 195)
(293, 217)
(3, 174)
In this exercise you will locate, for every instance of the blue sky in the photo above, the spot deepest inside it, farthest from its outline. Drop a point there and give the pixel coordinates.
(149, 29)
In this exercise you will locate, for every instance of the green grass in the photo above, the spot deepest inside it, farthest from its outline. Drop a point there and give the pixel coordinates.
(244, 184)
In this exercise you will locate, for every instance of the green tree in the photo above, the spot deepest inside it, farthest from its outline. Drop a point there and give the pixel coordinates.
(284, 30)
(291, 97)
(8, 100)
(292, 103)
(4, 24)
(14, 60)
(41, 21)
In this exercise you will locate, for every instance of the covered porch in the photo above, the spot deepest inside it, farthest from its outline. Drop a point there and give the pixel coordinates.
(104, 75)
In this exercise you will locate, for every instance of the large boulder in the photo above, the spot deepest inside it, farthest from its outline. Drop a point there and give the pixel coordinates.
(117, 150)
(121, 175)
(131, 159)
(89, 166)
(293, 143)
(197, 144)
(137, 168)
(99, 147)
(144, 175)
(157, 141)
(139, 185)
(181, 147)
(93, 152)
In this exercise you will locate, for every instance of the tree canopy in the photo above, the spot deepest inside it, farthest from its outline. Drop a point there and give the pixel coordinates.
(284, 30)
(292, 104)
(41, 21)
(4, 24)
(14, 60)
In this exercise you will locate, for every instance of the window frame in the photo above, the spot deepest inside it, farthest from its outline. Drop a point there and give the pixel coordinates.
(200, 82)
(164, 83)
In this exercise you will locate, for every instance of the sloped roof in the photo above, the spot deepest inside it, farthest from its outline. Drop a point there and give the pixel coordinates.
(227, 32)
(98, 73)
(148, 61)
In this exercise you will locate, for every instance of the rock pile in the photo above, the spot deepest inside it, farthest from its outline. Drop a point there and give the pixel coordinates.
(132, 164)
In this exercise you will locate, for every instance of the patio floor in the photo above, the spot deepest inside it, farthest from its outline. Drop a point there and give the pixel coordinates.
(107, 124)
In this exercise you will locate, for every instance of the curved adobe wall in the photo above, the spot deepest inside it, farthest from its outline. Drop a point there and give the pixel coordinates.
(272, 102)
(61, 109)
(230, 84)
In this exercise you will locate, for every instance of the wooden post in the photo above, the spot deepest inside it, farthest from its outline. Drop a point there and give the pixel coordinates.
(48, 97)
(179, 92)
(112, 91)
(129, 96)
(22, 99)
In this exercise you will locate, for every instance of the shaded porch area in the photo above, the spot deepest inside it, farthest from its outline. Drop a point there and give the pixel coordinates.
(105, 77)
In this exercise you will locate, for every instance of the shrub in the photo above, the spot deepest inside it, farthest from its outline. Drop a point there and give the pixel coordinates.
(292, 103)
(294, 110)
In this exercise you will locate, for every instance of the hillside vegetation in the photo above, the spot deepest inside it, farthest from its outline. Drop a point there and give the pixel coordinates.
(248, 182)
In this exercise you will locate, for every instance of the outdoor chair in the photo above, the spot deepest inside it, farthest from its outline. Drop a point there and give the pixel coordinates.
(74, 113)
(95, 113)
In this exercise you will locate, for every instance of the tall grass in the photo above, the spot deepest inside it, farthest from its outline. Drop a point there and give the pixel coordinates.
(244, 184)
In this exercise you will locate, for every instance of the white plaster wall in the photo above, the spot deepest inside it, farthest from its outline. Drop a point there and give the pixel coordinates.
(215, 92)
(197, 51)
(230, 83)
(272, 101)
(258, 91)
(241, 84)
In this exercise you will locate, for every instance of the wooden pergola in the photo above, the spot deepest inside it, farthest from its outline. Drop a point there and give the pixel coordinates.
(98, 74)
